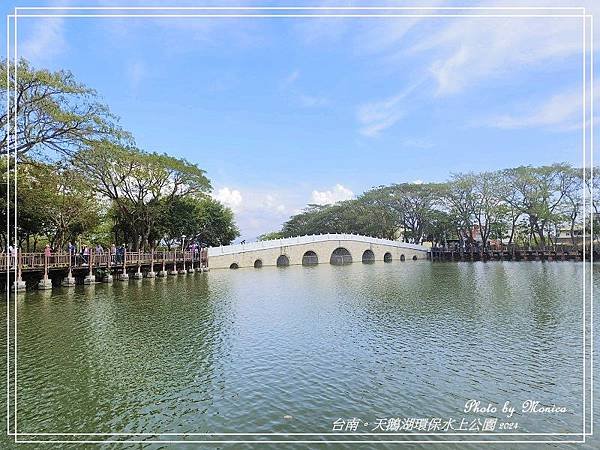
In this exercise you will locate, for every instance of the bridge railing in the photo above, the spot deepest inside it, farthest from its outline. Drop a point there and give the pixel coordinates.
(299, 240)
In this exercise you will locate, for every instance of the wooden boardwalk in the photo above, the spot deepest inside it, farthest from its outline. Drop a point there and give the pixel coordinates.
(513, 254)
(32, 262)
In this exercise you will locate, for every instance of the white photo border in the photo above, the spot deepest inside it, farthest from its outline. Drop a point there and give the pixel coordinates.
(582, 14)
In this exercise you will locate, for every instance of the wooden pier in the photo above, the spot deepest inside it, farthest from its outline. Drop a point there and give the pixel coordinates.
(65, 268)
(513, 254)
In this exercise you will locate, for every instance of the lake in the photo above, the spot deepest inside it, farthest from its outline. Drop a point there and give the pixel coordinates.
(293, 350)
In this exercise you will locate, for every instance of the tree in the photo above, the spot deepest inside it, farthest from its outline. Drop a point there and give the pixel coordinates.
(139, 185)
(350, 216)
(201, 219)
(53, 202)
(542, 192)
(53, 112)
(408, 208)
(270, 236)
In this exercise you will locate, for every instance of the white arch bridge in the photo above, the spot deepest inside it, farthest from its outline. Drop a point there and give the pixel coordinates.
(315, 249)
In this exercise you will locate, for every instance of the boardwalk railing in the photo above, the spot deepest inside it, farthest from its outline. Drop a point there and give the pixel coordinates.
(558, 252)
(39, 261)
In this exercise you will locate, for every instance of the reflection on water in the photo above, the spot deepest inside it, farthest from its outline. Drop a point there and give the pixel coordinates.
(237, 351)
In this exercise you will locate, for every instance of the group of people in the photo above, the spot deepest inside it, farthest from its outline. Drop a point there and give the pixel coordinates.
(80, 255)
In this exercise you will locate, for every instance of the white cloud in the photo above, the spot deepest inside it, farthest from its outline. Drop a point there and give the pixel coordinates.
(258, 210)
(336, 194)
(136, 71)
(417, 182)
(290, 78)
(378, 116)
(311, 101)
(229, 197)
(45, 41)
(289, 86)
(467, 51)
(562, 111)
(416, 143)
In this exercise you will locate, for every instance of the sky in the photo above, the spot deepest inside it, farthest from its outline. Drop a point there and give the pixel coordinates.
(284, 112)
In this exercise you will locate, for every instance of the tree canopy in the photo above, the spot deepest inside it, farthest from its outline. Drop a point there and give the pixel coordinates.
(51, 111)
(81, 176)
(525, 204)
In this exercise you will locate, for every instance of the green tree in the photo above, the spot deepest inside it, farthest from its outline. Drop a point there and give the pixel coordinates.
(54, 202)
(140, 185)
(542, 192)
(55, 112)
(201, 219)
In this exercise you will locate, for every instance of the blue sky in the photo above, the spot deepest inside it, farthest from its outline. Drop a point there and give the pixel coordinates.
(285, 112)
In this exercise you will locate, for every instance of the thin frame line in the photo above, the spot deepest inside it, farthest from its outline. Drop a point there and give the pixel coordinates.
(300, 442)
(591, 223)
(8, 131)
(298, 434)
(294, 8)
(16, 215)
(279, 15)
(584, 133)
(214, 16)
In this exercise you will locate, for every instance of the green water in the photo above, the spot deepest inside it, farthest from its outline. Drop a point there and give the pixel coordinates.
(292, 350)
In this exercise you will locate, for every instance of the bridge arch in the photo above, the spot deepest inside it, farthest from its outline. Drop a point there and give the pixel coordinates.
(387, 257)
(368, 257)
(258, 264)
(283, 261)
(340, 256)
(402, 258)
(234, 266)
(310, 258)
(414, 257)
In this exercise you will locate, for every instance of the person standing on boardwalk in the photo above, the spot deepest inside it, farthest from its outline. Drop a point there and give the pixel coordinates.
(71, 250)
(86, 254)
(12, 255)
(47, 253)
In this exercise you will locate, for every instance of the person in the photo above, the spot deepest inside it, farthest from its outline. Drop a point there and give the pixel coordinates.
(121, 254)
(99, 249)
(85, 252)
(113, 253)
(71, 250)
(12, 253)
(47, 253)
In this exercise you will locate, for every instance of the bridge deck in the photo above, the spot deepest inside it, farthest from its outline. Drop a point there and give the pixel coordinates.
(314, 238)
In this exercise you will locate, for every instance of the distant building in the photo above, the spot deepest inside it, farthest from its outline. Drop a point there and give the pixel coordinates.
(564, 236)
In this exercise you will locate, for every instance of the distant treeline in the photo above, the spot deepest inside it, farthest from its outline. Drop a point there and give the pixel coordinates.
(81, 178)
(523, 205)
